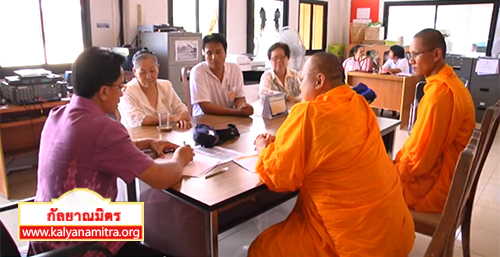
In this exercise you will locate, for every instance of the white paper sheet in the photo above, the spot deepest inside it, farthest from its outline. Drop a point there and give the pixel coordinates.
(217, 152)
(247, 162)
(363, 13)
(200, 165)
(487, 66)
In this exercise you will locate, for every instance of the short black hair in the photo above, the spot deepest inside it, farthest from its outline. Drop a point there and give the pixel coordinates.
(354, 50)
(398, 51)
(215, 37)
(95, 67)
(280, 45)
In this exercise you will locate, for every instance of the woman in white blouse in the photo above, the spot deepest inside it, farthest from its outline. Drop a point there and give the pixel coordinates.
(146, 96)
(280, 78)
(397, 62)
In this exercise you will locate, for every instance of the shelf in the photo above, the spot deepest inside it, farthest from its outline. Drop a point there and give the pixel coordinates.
(5, 109)
(15, 124)
(20, 152)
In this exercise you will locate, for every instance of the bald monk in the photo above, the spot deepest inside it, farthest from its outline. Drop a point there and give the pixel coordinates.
(329, 147)
(444, 125)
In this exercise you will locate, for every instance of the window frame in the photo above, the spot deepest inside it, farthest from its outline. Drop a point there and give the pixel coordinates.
(57, 68)
(221, 21)
(251, 21)
(436, 3)
(309, 51)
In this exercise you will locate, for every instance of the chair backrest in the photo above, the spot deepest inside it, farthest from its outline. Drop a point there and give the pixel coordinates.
(185, 71)
(456, 200)
(465, 81)
(7, 245)
(419, 93)
(489, 128)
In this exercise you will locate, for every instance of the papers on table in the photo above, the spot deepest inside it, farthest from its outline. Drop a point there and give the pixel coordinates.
(247, 162)
(205, 159)
(486, 66)
(200, 165)
(217, 152)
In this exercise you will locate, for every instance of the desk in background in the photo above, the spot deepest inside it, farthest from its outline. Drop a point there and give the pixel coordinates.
(185, 220)
(394, 93)
(20, 130)
(380, 49)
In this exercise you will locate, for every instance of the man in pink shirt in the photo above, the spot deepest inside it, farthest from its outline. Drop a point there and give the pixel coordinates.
(81, 147)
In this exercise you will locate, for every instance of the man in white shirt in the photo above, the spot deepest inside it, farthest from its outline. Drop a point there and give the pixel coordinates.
(217, 86)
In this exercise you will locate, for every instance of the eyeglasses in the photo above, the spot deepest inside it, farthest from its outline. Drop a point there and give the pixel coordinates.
(121, 86)
(415, 55)
(281, 58)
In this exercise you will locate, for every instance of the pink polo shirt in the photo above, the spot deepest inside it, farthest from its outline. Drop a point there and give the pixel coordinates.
(81, 147)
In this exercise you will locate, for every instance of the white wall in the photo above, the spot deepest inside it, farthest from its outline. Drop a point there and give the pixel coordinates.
(155, 11)
(236, 27)
(104, 11)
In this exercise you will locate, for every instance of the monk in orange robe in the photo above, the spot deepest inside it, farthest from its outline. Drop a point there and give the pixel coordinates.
(330, 148)
(444, 125)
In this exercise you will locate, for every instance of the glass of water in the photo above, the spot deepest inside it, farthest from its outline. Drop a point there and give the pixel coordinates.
(164, 121)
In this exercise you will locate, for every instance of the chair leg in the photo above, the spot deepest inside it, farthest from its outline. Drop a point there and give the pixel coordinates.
(466, 232)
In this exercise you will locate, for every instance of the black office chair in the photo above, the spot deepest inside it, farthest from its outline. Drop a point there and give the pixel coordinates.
(9, 248)
(419, 93)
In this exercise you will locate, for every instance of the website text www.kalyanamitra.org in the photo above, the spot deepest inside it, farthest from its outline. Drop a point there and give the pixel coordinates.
(63, 233)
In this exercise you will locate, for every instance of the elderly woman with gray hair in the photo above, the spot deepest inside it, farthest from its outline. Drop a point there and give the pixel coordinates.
(146, 96)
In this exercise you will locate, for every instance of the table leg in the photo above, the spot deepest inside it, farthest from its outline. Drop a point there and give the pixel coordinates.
(213, 234)
(389, 143)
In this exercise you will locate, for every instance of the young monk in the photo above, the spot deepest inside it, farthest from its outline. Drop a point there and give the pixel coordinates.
(444, 125)
(350, 203)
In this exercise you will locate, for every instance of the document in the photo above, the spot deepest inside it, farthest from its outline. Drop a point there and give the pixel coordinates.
(486, 66)
(217, 152)
(247, 162)
(200, 165)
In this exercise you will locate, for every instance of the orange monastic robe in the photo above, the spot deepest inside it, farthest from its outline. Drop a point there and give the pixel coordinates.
(350, 201)
(445, 121)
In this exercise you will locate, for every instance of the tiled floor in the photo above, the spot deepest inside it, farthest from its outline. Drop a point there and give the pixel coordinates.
(485, 238)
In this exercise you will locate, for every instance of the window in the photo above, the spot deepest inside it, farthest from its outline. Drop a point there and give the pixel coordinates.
(40, 32)
(265, 19)
(469, 27)
(495, 51)
(203, 16)
(469, 30)
(313, 24)
(400, 27)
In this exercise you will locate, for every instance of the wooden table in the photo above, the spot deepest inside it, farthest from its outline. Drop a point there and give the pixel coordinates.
(394, 93)
(20, 130)
(185, 220)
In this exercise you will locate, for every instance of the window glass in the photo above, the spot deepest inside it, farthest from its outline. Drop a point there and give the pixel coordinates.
(21, 32)
(184, 14)
(400, 23)
(209, 16)
(268, 20)
(465, 26)
(62, 25)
